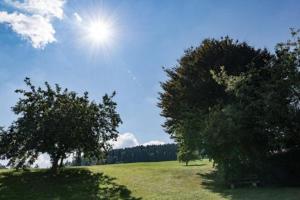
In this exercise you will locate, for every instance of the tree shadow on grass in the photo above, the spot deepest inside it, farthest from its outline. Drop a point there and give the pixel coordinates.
(70, 184)
(211, 181)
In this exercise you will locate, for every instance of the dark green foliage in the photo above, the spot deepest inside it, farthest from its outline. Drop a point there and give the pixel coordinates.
(242, 116)
(150, 153)
(58, 122)
(283, 168)
(3, 147)
(265, 118)
(191, 92)
(191, 89)
(70, 184)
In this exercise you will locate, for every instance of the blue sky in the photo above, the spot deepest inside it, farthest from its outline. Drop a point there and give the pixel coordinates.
(147, 36)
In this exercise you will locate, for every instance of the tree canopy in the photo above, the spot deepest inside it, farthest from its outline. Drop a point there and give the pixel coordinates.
(240, 109)
(58, 122)
(191, 91)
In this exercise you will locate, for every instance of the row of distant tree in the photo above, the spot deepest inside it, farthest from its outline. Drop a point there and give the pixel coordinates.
(151, 153)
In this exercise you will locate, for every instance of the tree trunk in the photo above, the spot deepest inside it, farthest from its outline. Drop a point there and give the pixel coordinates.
(78, 158)
(54, 167)
(61, 162)
(186, 163)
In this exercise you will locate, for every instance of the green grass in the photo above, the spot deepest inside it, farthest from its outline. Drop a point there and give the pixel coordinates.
(161, 180)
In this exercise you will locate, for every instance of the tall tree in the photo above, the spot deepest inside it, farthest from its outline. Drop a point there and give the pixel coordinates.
(191, 91)
(252, 125)
(59, 122)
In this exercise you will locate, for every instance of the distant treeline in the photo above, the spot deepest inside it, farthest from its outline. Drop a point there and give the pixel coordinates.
(151, 153)
(2, 166)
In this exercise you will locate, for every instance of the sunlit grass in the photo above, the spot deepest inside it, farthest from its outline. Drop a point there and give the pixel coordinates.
(160, 180)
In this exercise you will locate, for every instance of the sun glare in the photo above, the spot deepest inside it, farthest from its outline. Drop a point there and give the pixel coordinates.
(100, 32)
(97, 33)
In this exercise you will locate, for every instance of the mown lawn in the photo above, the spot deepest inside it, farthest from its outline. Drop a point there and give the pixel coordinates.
(161, 180)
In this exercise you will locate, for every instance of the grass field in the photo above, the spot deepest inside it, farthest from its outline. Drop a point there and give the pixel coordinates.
(161, 180)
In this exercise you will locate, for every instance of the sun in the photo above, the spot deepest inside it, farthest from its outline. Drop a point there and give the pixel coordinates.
(100, 32)
(97, 33)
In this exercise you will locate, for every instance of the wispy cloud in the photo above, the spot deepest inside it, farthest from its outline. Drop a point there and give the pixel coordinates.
(32, 19)
(132, 76)
(77, 17)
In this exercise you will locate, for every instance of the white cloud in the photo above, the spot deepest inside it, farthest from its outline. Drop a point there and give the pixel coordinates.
(43, 161)
(153, 142)
(34, 22)
(77, 17)
(129, 140)
(46, 8)
(125, 140)
(3, 162)
(35, 28)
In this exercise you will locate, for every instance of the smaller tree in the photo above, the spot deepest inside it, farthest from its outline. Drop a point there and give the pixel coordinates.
(185, 155)
(58, 122)
(186, 135)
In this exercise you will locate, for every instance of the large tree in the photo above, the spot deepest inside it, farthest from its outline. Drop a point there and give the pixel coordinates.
(191, 91)
(58, 122)
(252, 124)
